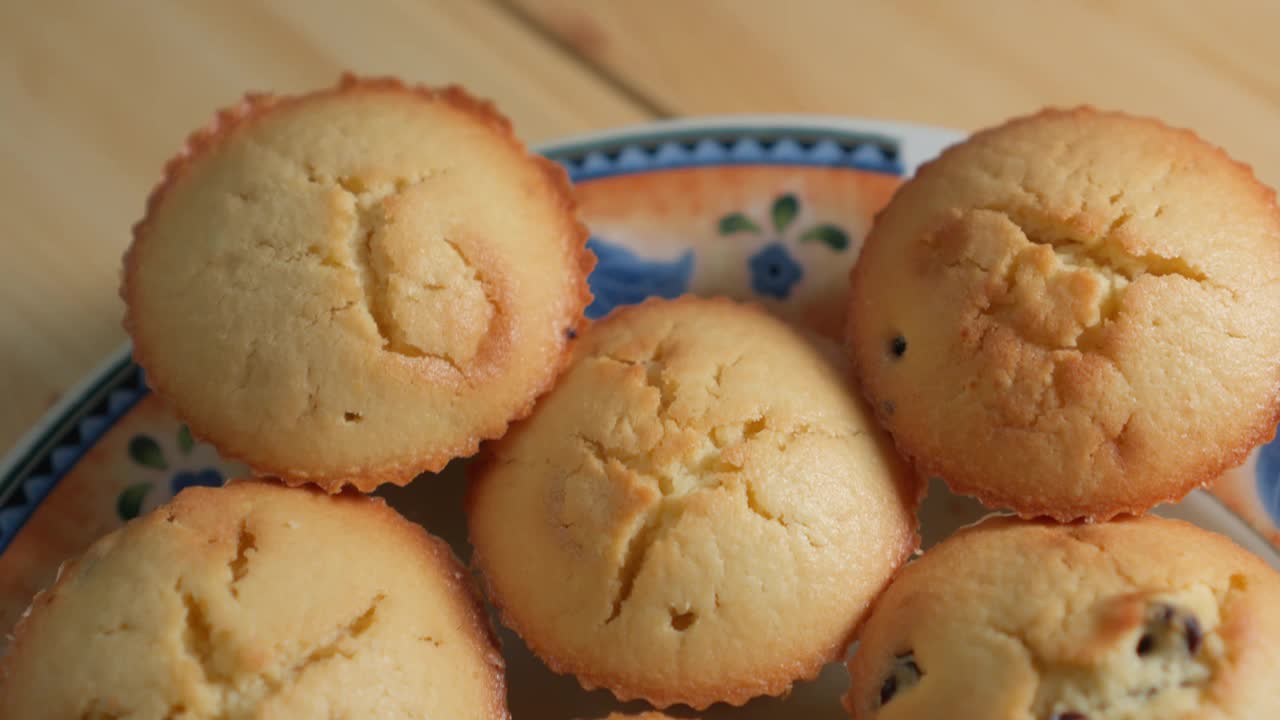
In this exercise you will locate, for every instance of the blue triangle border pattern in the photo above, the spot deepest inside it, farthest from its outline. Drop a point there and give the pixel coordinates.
(702, 148)
(74, 434)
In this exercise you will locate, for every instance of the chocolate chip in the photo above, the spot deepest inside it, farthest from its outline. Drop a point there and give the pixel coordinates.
(571, 334)
(1194, 634)
(1070, 715)
(1146, 644)
(898, 346)
(1169, 627)
(888, 689)
(904, 674)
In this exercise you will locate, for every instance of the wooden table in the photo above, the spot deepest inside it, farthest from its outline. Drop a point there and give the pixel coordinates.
(95, 94)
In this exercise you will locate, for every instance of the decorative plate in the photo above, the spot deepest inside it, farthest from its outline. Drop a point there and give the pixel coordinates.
(771, 209)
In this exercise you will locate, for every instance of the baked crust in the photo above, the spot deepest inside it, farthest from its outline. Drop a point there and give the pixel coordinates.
(699, 512)
(448, 383)
(255, 598)
(1141, 618)
(1087, 309)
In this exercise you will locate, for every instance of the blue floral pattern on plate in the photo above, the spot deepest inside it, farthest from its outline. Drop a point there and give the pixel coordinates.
(147, 453)
(208, 477)
(1267, 474)
(774, 272)
(622, 277)
(773, 269)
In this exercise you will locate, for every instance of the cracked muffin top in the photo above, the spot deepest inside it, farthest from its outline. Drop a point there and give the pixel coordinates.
(258, 601)
(1138, 619)
(700, 511)
(356, 285)
(1076, 314)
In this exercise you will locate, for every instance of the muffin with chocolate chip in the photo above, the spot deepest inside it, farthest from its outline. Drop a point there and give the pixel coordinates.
(700, 511)
(258, 601)
(354, 286)
(1138, 619)
(1074, 315)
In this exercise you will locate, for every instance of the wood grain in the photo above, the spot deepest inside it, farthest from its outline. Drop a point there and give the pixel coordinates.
(95, 96)
(1208, 66)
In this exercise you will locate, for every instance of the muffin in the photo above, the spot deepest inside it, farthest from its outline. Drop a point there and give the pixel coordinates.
(255, 600)
(357, 285)
(1076, 314)
(1140, 619)
(700, 510)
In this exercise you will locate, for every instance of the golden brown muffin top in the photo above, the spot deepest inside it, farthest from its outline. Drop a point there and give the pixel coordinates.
(1137, 619)
(258, 601)
(1074, 314)
(355, 285)
(700, 511)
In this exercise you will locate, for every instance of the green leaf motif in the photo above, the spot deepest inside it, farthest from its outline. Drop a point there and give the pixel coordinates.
(785, 209)
(829, 235)
(129, 504)
(737, 222)
(146, 452)
(185, 441)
